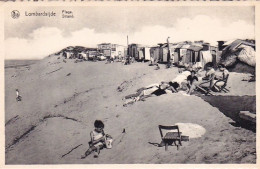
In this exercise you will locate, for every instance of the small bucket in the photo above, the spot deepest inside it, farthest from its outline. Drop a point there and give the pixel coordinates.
(109, 142)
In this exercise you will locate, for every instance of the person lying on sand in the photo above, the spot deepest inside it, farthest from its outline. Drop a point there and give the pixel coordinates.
(97, 139)
(181, 79)
(207, 81)
(152, 90)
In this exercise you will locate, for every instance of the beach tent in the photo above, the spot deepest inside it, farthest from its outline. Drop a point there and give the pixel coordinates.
(83, 55)
(68, 54)
(173, 52)
(163, 54)
(239, 56)
(185, 54)
(154, 53)
(177, 53)
(205, 57)
(147, 55)
(239, 50)
(140, 55)
(247, 55)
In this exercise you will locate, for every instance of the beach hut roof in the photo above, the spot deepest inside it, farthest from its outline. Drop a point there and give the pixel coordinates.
(104, 44)
(138, 45)
(185, 46)
(179, 45)
(195, 48)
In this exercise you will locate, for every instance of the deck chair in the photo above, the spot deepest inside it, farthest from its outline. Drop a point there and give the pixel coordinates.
(206, 91)
(170, 137)
(223, 87)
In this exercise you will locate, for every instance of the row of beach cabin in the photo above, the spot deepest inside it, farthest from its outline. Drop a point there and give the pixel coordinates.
(197, 52)
(186, 52)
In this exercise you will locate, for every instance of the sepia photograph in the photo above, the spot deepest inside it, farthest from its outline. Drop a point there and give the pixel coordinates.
(130, 84)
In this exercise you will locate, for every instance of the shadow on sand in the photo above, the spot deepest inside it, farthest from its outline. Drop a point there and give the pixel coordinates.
(232, 105)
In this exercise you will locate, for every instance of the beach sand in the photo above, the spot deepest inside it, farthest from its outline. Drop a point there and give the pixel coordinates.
(61, 101)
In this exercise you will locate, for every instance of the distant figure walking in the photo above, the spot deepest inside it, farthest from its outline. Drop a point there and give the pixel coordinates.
(98, 140)
(18, 96)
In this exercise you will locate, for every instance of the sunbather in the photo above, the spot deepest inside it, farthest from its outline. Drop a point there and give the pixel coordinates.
(152, 90)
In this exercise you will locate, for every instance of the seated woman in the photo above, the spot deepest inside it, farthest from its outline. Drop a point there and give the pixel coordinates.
(221, 73)
(220, 76)
(205, 82)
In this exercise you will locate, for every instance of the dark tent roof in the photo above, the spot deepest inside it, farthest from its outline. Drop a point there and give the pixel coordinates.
(235, 44)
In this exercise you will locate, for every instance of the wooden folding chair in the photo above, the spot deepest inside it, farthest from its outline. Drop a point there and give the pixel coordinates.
(223, 87)
(205, 90)
(170, 137)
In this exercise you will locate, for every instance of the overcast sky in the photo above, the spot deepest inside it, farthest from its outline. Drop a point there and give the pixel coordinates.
(36, 37)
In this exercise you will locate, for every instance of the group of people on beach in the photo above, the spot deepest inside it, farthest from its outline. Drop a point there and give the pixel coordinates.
(188, 81)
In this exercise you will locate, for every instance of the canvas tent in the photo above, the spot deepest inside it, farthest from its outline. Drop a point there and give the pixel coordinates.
(147, 55)
(239, 56)
(173, 52)
(163, 54)
(140, 55)
(154, 53)
(82, 55)
(177, 55)
(247, 55)
(239, 50)
(185, 54)
(68, 54)
(205, 57)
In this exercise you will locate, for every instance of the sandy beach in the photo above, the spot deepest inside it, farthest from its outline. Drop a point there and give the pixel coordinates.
(61, 101)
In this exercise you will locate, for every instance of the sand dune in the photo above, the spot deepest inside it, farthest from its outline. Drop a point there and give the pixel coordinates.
(62, 100)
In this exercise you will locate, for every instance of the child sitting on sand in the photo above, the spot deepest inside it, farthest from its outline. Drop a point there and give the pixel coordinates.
(98, 138)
